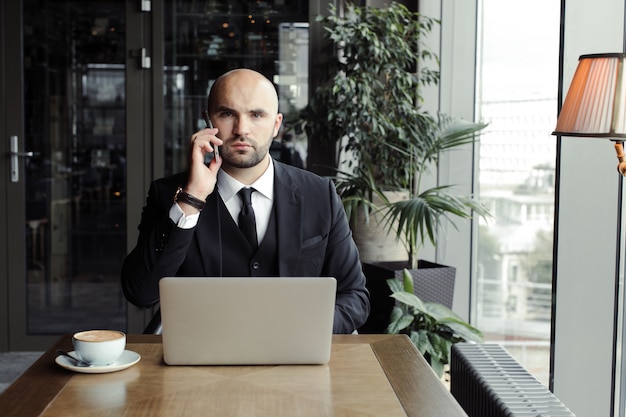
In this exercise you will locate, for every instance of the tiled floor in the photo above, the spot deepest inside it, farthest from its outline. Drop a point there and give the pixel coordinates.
(13, 364)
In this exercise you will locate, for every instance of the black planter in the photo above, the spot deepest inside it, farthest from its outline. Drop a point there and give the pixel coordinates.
(433, 282)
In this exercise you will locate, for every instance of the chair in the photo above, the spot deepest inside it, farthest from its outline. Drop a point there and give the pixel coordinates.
(155, 326)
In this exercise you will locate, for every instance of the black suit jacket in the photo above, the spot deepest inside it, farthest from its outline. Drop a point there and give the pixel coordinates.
(314, 239)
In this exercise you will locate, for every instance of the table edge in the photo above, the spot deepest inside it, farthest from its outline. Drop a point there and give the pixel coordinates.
(420, 391)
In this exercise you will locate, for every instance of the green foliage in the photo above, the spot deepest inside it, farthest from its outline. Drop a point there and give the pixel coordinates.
(418, 219)
(370, 95)
(369, 104)
(433, 328)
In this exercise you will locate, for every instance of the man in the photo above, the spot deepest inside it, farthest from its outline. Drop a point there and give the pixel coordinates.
(189, 224)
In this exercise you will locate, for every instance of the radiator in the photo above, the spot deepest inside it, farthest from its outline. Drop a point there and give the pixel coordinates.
(488, 382)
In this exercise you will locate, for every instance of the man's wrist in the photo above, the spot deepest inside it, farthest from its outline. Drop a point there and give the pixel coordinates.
(186, 198)
(182, 219)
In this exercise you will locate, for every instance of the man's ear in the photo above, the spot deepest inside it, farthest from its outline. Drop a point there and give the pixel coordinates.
(277, 123)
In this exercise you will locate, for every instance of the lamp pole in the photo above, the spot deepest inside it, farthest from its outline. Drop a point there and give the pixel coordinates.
(618, 383)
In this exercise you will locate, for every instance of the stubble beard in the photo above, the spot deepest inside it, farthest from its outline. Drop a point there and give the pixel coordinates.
(244, 159)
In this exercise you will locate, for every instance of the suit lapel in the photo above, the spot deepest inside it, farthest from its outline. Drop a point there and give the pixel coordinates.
(289, 214)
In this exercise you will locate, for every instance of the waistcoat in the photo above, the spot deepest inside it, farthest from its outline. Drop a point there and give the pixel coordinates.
(238, 257)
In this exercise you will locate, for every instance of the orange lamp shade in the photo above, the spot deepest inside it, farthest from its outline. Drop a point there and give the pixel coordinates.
(595, 105)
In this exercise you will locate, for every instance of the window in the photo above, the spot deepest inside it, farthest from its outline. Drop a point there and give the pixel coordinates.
(517, 95)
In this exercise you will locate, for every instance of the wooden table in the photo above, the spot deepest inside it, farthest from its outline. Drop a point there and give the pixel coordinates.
(368, 375)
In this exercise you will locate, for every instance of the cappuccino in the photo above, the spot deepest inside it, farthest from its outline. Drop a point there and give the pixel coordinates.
(99, 347)
(98, 335)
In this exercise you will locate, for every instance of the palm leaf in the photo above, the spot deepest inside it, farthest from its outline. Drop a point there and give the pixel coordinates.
(356, 190)
(419, 218)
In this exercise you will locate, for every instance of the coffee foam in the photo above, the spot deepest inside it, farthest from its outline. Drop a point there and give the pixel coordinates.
(98, 335)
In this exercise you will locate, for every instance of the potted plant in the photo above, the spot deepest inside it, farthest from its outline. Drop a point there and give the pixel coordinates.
(432, 327)
(368, 100)
(413, 220)
(370, 105)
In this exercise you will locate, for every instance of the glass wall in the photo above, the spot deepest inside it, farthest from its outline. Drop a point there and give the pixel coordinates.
(517, 95)
(204, 39)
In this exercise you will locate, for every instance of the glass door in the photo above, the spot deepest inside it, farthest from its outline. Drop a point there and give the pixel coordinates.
(68, 170)
(74, 61)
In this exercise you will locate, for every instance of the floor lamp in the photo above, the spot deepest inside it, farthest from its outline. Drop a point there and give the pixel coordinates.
(595, 106)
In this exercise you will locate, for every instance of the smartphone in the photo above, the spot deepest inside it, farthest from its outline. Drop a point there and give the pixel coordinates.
(216, 153)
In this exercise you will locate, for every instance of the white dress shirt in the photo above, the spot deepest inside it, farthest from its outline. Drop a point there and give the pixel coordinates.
(228, 187)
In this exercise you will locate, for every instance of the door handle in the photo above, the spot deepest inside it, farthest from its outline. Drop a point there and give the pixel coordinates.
(15, 154)
(22, 154)
(145, 59)
(142, 55)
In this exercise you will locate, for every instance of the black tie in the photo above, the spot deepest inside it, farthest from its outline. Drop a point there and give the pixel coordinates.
(247, 224)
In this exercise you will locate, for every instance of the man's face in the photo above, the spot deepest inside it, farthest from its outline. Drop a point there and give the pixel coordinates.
(245, 110)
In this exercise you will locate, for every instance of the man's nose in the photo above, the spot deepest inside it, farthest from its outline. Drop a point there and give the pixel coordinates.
(242, 126)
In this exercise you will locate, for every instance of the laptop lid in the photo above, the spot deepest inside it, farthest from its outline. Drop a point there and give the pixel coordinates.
(247, 321)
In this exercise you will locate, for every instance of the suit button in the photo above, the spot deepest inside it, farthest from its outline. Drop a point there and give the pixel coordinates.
(256, 265)
(160, 245)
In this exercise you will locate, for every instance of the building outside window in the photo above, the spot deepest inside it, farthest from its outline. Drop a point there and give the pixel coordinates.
(517, 95)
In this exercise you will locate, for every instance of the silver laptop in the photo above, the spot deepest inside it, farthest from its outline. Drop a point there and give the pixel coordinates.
(247, 321)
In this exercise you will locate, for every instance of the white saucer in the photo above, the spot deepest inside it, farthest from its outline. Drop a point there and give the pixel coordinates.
(126, 360)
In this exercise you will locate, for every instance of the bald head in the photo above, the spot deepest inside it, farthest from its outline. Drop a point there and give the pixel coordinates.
(243, 82)
(243, 106)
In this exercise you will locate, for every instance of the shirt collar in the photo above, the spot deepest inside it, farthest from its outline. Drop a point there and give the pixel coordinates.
(228, 186)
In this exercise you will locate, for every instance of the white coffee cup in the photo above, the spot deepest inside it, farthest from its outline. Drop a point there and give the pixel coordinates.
(99, 347)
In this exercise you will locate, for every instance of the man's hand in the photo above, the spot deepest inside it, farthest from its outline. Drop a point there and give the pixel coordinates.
(202, 178)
